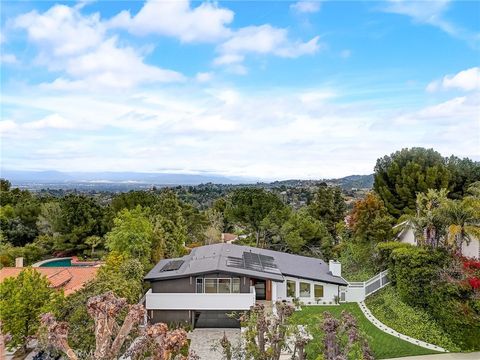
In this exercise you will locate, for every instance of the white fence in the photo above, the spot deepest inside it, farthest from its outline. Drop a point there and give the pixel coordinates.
(358, 291)
(195, 301)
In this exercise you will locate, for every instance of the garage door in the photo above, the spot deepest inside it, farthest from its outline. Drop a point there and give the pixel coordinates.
(215, 319)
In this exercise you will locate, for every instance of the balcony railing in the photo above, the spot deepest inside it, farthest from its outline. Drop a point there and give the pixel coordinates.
(197, 301)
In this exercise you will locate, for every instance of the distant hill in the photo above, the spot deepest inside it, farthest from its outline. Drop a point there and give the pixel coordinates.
(57, 177)
(355, 182)
(121, 181)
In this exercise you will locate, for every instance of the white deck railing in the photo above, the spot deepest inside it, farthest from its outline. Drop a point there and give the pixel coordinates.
(358, 291)
(196, 301)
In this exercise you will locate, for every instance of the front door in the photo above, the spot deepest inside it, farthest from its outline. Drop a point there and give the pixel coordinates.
(260, 289)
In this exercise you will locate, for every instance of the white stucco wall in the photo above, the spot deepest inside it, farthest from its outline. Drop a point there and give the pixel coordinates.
(329, 291)
(354, 294)
(472, 249)
(408, 236)
(194, 301)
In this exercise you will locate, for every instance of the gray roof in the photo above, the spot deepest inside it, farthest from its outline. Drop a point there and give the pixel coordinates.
(236, 259)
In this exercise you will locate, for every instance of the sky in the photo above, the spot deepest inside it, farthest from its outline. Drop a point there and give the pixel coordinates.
(261, 89)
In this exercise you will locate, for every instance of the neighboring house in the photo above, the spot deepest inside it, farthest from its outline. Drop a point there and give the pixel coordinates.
(70, 279)
(203, 287)
(407, 235)
(229, 238)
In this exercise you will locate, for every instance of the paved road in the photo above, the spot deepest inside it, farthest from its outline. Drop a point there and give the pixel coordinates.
(202, 341)
(448, 356)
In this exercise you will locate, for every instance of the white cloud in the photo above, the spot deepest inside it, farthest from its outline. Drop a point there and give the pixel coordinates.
(7, 126)
(466, 80)
(306, 6)
(53, 121)
(290, 133)
(78, 46)
(204, 23)
(8, 59)
(204, 77)
(431, 13)
(62, 30)
(263, 39)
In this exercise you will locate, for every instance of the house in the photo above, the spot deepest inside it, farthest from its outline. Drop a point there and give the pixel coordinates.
(407, 235)
(205, 286)
(69, 279)
(229, 238)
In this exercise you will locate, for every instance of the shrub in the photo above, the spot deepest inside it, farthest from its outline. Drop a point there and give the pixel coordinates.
(383, 252)
(413, 270)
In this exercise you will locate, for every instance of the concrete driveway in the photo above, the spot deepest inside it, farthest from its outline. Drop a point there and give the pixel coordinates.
(447, 356)
(202, 341)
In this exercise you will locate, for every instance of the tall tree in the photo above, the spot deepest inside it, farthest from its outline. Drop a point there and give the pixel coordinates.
(304, 234)
(250, 206)
(131, 235)
(399, 177)
(464, 172)
(328, 206)
(463, 221)
(171, 231)
(370, 220)
(428, 223)
(81, 217)
(22, 300)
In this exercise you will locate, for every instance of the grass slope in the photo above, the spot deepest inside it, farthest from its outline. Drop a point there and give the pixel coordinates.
(387, 307)
(383, 345)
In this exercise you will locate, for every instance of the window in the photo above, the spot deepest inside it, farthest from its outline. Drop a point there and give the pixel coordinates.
(318, 291)
(210, 286)
(305, 289)
(236, 285)
(291, 288)
(224, 286)
(199, 288)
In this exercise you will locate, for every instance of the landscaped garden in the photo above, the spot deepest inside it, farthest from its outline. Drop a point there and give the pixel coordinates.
(387, 307)
(383, 345)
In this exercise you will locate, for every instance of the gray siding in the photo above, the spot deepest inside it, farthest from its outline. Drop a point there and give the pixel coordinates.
(183, 285)
(170, 316)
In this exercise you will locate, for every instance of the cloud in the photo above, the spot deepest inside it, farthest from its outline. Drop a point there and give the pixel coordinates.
(7, 126)
(204, 23)
(62, 30)
(290, 133)
(431, 13)
(306, 6)
(79, 47)
(466, 80)
(263, 39)
(8, 59)
(53, 121)
(204, 77)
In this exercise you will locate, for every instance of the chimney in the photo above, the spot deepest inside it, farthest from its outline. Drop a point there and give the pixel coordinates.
(335, 268)
(19, 262)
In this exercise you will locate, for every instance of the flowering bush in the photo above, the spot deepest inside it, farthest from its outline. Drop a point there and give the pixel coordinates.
(472, 273)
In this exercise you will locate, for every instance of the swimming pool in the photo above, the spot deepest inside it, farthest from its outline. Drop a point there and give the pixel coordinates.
(56, 263)
(65, 262)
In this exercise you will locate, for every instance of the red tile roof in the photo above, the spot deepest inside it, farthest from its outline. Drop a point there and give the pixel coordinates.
(70, 279)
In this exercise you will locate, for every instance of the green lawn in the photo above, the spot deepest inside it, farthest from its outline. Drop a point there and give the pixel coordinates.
(383, 345)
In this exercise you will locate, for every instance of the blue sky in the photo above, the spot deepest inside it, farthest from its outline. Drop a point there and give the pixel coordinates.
(271, 89)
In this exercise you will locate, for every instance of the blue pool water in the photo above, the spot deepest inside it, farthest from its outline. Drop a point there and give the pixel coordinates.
(56, 263)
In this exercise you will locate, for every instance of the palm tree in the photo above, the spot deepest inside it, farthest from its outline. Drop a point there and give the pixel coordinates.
(462, 219)
(427, 222)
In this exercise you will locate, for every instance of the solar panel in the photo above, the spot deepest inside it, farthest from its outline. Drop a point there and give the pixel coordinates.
(253, 261)
(172, 265)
